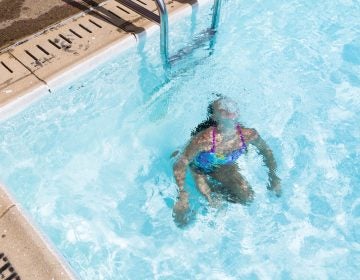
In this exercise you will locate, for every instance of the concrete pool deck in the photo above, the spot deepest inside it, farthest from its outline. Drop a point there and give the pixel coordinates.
(21, 18)
(24, 253)
(32, 67)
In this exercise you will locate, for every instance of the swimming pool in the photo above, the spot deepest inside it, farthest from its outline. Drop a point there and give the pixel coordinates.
(91, 162)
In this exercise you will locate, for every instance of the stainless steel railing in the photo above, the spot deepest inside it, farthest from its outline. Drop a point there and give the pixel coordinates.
(164, 27)
(164, 31)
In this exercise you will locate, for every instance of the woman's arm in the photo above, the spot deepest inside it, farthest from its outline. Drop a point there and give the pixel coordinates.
(180, 171)
(198, 143)
(269, 160)
(182, 205)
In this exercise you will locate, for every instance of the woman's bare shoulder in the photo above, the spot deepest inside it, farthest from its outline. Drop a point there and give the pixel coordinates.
(203, 136)
(250, 134)
(198, 142)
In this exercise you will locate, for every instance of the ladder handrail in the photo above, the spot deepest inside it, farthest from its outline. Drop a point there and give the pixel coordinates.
(164, 31)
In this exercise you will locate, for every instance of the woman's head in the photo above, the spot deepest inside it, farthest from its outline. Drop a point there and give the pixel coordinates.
(218, 110)
(223, 109)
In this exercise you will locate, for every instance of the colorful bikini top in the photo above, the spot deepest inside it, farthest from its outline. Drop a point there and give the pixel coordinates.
(207, 161)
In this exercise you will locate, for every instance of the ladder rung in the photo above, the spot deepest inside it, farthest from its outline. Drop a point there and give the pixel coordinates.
(140, 10)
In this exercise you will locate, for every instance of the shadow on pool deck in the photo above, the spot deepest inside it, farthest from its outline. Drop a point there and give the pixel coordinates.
(21, 18)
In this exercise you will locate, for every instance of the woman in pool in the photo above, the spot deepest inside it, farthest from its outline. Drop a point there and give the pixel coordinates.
(211, 154)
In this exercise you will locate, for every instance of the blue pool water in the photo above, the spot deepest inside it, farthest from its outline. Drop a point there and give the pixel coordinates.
(91, 161)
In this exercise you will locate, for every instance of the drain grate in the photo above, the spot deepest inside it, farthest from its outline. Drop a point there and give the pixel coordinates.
(141, 10)
(7, 67)
(7, 271)
(77, 34)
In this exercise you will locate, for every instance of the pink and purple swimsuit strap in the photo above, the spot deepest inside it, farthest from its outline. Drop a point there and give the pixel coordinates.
(238, 128)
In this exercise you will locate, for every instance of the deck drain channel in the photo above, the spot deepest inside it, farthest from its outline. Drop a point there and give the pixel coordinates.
(122, 9)
(42, 49)
(140, 10)
(7, 271)
(32, 72)
(86, 29)
(94, 23)
(141, 2)
(3, 64)
(31, 55)
(118, 17)
(54, 44)
(65, 39)
(75, 33)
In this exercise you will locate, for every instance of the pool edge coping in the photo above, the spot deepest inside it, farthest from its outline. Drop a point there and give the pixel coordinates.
(26, 247)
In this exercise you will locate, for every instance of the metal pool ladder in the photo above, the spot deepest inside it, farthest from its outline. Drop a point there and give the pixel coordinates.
(163, 21)
(164, 27)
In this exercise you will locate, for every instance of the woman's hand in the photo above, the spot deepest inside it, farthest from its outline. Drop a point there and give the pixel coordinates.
(275, 184)
(215, 200)
(181, 209)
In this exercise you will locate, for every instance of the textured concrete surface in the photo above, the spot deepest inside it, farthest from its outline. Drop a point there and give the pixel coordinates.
(21, 18)
(5, 203)
(23, 251)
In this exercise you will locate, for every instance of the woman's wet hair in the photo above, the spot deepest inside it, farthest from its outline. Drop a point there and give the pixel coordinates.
(210, 111)
(210, 108)
(206, 123)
